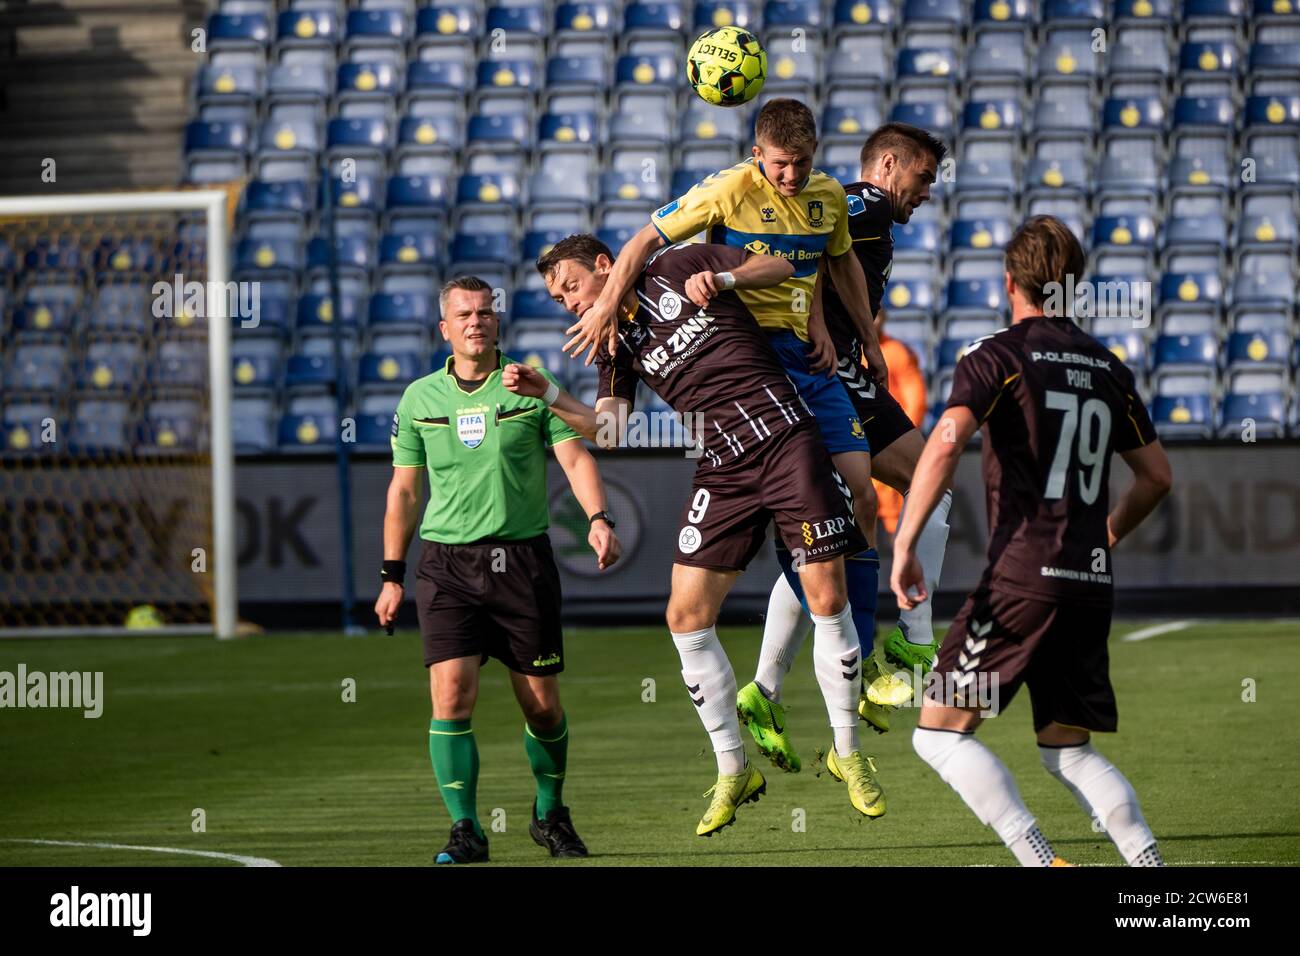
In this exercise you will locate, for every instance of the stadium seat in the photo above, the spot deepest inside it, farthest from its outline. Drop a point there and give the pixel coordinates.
(101, 427)
(1258, 350)
(37, 367)
(1255, 414)
(397, 312)
(1183, 416)
(171, 427)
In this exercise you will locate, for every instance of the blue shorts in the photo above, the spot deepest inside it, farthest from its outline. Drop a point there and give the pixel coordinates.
(826, 397)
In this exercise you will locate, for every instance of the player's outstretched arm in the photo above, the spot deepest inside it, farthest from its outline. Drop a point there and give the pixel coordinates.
(400, 518)
(584, 480)
(602, 425)
(599, 324)
(756, 272)
(1152, 479)
(933, 476)
(846, 272)
(821, 357)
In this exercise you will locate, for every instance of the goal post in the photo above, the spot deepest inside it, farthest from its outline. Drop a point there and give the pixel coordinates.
(215, 205)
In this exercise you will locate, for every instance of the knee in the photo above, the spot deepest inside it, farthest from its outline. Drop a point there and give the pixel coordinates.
(826, 593)
(453, 701)
(683, 618)
(543, 714)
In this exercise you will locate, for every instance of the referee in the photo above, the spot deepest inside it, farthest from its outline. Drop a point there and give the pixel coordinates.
(487, 584)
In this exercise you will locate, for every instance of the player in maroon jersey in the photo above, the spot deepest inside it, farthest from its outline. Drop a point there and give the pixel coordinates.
(684, 331)
(1055, 404)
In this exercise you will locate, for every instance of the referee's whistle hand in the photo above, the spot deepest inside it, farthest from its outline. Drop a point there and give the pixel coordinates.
(604, 542)
(390, 600)
(524, 380)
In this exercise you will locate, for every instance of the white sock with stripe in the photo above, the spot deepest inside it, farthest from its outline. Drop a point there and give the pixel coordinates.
(1105, 795)
(931, 545)
(711, 684)
(985, 783)
(784, 630)
(837, 661)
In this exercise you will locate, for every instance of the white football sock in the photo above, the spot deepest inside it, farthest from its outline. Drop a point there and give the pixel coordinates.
(837, 661)
(931, 543)
(988, 788)
(1105, 795)
(711, 683)
(784, 631)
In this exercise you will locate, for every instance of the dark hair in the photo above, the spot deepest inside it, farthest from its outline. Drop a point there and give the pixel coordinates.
(1043, 251)
(906, 141)
(583, 247)
(786, 124)
(465, 284)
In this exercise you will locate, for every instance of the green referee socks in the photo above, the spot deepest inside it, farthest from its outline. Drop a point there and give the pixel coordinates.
(548, 755)
(455, 763)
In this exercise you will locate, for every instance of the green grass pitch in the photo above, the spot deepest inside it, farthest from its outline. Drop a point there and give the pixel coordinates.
(256, 733)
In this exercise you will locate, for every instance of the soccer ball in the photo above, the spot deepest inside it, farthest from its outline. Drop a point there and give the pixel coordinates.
(726, 66)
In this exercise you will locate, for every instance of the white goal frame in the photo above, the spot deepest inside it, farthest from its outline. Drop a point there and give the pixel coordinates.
(213, 202)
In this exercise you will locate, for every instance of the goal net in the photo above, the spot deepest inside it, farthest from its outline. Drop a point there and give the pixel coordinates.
(116, 464)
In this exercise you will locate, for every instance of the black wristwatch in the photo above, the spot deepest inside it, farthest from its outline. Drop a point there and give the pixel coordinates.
(604, 516)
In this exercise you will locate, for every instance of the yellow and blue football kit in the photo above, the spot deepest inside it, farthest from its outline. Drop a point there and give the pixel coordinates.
(739, 207)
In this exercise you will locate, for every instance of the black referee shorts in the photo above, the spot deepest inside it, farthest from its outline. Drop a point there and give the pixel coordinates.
(492, 598)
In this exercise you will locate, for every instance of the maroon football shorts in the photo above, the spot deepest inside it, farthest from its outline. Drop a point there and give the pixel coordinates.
(789, 479)
(1057, 650)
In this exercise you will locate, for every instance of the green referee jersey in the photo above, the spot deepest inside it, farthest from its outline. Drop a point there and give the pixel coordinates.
(485, 452)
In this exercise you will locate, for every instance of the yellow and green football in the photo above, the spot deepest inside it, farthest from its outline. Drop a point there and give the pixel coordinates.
(726, 66)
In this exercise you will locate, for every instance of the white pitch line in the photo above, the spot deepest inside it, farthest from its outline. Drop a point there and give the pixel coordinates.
(1158, 629)
(211, 854)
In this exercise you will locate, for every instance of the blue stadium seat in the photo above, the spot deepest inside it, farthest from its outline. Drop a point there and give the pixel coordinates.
(976, 295)
(1193, 231)
(629, 187)
(1258, 350)
(268, 256)
(227, 31)
(488, 189)
(278, 198)
(1056, 174)
(441, 76)
(1264, 411)
(979, 234)
(474, 250)
(722, 13)
(1201, 12)
(537, 306)
(101, 427)
(1273, 111)
(124, 307)
(216, 137)
(372, 79)
(1190, 288)
(38, 367)
(904, 296)
(509, 74)
(352, 253)
(933, 116)
(126, 257)
(447, 20)
(539, 241)
(919, 236)
(1183, 416)
(496, 130)
(586, 18)
(311, 26)
(311, 432)
(232, 83)
(1267, 229)
(1208, 58)
(1002, 15)
(784, 15)
(646, 70)
(417, 192)
(171, 427)
(1144, 11)
(992, 116)
(316, 312)
(389, 369)
(576, 72)
(653, 18)
(1126, 230)
(387, 25)
(1214, 112)
(24, 426)
(927, 62)
(429, 134)
(356, 136)
(251, 424)
(1172, 352)
(44, 320)
(311, 83)
(111, 367)
(1133, 113)
(413, 250)
(402, 311)
(567, 128)
(256, 366)
(1073, 12)
(517, 18)
(1129, 347)
(1275, 59)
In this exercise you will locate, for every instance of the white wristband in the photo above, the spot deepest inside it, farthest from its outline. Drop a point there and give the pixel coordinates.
(551, 394)
(726, 280)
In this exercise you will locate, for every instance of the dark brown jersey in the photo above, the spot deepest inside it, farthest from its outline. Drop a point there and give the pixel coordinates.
(1055, 404)
(715, 364)
(871, 223)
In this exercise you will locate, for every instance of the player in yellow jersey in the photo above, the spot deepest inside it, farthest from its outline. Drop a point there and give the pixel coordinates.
(776, 204)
